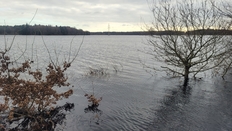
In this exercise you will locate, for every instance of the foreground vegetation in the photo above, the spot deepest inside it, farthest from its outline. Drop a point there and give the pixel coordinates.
(31, 99)
(29, 94)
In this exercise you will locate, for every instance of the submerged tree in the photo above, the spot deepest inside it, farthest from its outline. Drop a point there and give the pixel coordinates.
(192, 51)
(226, 10)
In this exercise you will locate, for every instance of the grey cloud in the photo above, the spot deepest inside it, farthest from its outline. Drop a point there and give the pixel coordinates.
(78, 11)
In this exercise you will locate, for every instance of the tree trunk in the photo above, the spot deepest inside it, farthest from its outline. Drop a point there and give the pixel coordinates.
(186, 76)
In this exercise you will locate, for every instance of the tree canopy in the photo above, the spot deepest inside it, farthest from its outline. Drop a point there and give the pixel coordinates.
(41, 30)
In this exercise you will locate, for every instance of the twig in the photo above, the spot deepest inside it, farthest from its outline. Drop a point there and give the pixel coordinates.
(33, 16)
(78, 49)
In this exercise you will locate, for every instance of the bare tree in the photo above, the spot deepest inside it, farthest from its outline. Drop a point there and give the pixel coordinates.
(185, 47)
(226, 10)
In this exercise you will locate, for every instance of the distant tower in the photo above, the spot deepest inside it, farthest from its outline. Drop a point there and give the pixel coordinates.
(108, 29)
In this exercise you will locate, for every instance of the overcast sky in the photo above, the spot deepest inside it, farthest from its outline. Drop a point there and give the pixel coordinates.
(90, 15)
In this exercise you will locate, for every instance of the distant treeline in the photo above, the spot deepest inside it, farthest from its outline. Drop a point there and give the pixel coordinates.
(66, 30)
(210, 32)
(121, 33)
(196, 32)
(41, 30)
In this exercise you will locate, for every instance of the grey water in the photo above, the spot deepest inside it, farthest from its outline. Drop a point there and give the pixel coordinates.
(135, 98)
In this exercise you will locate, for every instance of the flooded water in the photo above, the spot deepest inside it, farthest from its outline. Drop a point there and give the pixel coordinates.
(133, 99)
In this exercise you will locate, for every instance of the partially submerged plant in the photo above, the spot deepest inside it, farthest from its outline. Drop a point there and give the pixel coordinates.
(30, 93)
(28, 99)
(93, 100)
(102, 72)
(94, 107)
(97, 72)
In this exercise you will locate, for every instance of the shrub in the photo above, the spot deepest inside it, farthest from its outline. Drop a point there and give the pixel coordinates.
(31, 101)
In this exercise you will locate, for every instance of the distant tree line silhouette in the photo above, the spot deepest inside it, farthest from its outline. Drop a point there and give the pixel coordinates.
(194, 32)
(27, 29)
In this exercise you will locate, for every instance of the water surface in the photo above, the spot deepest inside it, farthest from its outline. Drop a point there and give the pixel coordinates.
(133, 99)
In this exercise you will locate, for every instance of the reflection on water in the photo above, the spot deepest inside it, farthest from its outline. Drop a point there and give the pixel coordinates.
(132, 99)
(170, 110)
(203, 107)
(96, 113)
